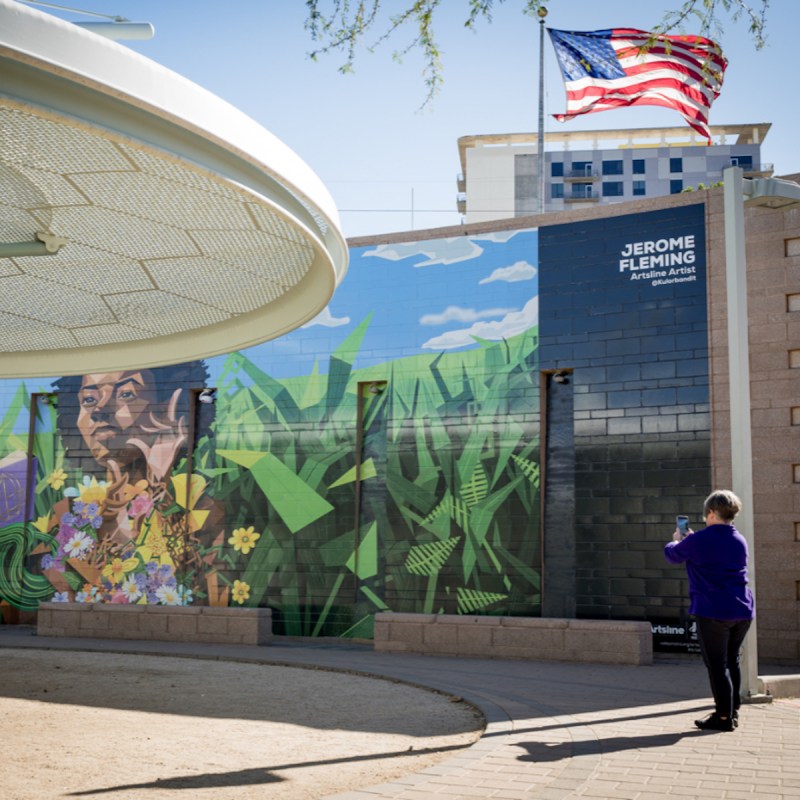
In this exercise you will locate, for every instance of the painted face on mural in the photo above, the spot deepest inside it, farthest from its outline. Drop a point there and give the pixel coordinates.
(114, 408)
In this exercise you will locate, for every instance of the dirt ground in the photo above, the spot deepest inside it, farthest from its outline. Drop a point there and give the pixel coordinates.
(121, 727)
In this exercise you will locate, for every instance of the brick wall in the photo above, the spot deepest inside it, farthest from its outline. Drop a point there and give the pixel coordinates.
(773, 276)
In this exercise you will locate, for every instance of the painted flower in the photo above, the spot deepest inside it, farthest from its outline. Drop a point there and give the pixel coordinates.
(185, 594)
(141, 505)
(244, 539)
(89, 491)
(168, 596)
(131, 589)
(42, 524)
(118, 568)
(60, 597)
(241, 592)
(78, 545)
(56, 479)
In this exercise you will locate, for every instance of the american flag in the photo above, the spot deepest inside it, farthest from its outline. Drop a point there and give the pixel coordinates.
(607, 69)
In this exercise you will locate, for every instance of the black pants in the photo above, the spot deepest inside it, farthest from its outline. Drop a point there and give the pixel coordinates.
(720, 643)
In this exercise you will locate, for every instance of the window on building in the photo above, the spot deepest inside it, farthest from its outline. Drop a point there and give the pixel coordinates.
(581, 168)
(581, 191)
(612, 167)
(557, 169)
(638, 166)
(675, 187)
(556, 190)
(676, 165)
(745, 162)
(639, 188)
(612, 189)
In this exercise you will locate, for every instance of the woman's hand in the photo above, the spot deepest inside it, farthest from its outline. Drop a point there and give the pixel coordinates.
(676, 536)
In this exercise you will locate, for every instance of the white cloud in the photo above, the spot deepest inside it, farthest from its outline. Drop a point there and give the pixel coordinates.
(327, 319)
(437, 251)
(513, 323)
(459, 314)
(521, 271)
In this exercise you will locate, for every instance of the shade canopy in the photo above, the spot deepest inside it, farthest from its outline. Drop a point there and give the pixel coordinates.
(169, 225)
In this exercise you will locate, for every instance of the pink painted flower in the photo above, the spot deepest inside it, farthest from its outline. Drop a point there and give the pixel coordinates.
(140, 505)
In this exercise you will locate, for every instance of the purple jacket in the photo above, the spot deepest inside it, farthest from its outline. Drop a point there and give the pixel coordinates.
(716, 562)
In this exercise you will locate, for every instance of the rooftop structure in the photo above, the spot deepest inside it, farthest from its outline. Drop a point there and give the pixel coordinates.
(499, 172)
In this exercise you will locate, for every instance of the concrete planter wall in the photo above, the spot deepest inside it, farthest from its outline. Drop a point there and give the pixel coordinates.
(163, 623)
(588, 641)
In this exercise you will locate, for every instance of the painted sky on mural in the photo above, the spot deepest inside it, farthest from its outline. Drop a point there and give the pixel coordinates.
(424, 297)
(390, 168)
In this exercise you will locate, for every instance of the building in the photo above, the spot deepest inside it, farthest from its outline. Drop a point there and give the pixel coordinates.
(501, 418)
(499, 172)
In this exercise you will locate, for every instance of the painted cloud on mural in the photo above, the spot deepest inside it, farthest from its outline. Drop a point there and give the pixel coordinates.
(510, 325)
(436, 251)
(459, 314)
(520, 271)
(327, 319)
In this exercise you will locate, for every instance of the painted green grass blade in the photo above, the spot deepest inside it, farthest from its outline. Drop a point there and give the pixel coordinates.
(295, 501)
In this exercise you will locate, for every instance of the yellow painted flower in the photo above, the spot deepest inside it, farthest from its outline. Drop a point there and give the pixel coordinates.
(56, 479)
(92, 491)
(244, 539)
(188, 500)
(241, 591)
(118, 568)
(43, 524)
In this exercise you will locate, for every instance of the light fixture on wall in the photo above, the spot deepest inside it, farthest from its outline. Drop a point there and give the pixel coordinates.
(560, 377)
(48, 399)
(207, 396)
(376, 388)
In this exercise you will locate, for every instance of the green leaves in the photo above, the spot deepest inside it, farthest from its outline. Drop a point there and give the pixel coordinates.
(428, 559)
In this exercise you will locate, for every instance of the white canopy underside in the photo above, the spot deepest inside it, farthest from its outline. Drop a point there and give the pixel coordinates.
(190, 230)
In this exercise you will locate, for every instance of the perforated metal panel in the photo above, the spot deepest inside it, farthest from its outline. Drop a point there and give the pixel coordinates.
(189, 229)
(154, 246)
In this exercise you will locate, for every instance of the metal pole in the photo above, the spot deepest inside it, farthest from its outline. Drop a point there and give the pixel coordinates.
(540, 139)
(739, 380)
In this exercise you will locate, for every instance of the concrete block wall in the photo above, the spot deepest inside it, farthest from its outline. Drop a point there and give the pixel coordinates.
(207, 624)
(773, 277)
(532, 638)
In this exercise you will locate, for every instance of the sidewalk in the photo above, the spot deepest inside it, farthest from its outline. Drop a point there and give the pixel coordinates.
(554, 730)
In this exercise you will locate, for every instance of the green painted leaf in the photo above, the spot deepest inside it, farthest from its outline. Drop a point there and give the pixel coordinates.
(367, 555)
(529, 468)
(367, 471)
(470, 601)
(428, 559)
(297, 503)
(476, 488)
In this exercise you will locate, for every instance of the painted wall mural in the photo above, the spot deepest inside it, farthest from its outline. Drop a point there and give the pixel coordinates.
(383, 457)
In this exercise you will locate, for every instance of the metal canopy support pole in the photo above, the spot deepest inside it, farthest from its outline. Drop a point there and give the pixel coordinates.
(739, 380)
(540, 137)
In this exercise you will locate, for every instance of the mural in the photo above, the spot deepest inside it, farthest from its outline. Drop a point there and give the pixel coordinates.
(383, 457)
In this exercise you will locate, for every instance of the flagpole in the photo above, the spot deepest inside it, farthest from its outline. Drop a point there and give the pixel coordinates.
(542, 12)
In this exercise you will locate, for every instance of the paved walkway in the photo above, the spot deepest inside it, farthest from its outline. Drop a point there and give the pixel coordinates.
(554, 730)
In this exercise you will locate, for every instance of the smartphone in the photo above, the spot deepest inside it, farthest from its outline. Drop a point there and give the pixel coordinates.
(683, 524)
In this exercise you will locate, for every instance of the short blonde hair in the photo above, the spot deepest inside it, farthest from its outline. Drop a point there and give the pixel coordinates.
(724, 503)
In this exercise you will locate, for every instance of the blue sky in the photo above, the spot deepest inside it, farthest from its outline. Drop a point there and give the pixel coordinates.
(391, 167)
(421, 297)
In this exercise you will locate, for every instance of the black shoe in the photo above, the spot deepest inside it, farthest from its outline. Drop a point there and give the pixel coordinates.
(714, 723)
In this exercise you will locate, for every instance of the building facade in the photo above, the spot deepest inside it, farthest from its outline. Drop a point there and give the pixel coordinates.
(501, 418)
(500, 172)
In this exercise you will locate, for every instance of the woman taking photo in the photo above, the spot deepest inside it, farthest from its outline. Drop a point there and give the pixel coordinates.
(720, 600)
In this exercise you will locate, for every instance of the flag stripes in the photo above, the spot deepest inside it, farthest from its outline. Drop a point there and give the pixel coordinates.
(608, 69)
